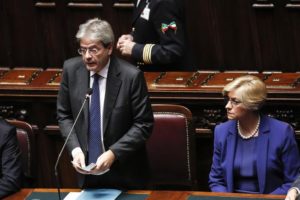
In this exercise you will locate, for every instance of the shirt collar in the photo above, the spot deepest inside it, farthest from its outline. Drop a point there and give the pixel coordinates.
(103, 72)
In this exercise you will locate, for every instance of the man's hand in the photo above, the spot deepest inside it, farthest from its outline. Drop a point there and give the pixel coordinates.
(291, 195)
(79, 163)
(125, 45)
(104, 162)
(126, 48)
(123, 38)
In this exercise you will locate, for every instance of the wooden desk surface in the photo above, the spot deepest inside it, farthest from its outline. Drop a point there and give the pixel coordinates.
(153, 194)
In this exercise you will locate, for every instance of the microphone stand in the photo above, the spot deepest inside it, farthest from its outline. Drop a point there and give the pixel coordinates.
(87, 96)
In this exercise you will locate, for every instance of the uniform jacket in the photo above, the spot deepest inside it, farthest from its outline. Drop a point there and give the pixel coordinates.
(11, 164)
(169, 50)
(278, 159)
(127, 114)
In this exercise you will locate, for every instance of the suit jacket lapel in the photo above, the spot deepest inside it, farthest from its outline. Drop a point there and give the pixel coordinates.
(113, 85)
(83, 75)
(137, 11)
(262, 153)
(231, 146)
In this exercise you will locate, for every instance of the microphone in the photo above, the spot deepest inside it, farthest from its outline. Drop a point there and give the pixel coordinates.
(87, 96)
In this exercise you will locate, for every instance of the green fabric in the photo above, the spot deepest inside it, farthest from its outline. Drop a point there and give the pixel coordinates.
(192, 197)
(46, 195)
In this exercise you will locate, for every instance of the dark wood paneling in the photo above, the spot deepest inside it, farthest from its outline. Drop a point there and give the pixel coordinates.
(202, 34)
(251, 35)
(222, 35)
(50, 37)
(6, 48)
(42, 33)
(21, 27)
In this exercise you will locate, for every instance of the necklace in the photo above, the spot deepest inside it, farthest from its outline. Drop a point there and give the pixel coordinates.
(250, 135)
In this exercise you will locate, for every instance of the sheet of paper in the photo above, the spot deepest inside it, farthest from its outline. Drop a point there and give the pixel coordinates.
(102, 172)
(87, 168)
(72, 196)
(103, 194)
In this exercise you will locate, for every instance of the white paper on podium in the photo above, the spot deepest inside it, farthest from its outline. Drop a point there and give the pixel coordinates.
(72, 196)
(91, 194)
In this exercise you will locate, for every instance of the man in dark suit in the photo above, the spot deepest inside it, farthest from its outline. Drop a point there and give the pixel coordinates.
(157, 41)
(11, 164)
(124, 116)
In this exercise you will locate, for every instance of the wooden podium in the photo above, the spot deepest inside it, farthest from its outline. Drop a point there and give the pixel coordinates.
(30, 94)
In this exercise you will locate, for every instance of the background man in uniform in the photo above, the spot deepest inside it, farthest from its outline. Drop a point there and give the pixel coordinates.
(157, 41)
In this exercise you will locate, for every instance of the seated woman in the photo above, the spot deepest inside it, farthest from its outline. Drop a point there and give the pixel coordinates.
(253, 153)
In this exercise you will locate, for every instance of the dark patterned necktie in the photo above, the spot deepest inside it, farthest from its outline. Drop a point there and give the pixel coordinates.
(95, 144)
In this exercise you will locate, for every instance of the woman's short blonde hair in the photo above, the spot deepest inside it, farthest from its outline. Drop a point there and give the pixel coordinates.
(250, 90)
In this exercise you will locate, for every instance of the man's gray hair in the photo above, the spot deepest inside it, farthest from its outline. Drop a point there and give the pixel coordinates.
(96, 30)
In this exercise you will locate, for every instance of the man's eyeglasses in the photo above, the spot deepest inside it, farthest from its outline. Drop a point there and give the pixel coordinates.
(233, 102)
(92, 51)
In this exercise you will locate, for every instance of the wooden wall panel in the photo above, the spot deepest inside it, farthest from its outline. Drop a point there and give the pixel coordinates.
(50, 34)
(292, 16)
(202, 34)
(5, 50)
(244, 35)
(235, 34)
(265, 38)
(222, 35)
(22, 33)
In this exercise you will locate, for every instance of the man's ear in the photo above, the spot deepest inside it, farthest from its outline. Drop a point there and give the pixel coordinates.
(110, 48)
